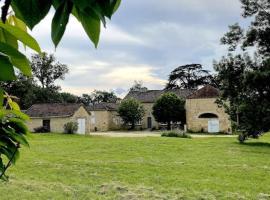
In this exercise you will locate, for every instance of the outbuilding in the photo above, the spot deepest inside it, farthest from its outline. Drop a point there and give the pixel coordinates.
(53, 117)
(203, 114)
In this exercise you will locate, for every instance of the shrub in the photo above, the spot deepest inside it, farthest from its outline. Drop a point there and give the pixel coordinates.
(175, 134)
(71, 127)
(41, 129)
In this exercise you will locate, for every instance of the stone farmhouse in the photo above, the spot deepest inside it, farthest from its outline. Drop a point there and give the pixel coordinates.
(202, 113)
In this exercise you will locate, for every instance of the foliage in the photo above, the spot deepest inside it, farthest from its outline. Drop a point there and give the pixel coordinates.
(131, 111)
(138, 87)
(169, 108)
(190, 77)
(46, 70)
(13, 29)
(98, 97)
(175, 134)
(12, 134)
(71, 127)
(244, 79)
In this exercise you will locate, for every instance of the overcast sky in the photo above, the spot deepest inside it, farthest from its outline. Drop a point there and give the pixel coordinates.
(145, 40)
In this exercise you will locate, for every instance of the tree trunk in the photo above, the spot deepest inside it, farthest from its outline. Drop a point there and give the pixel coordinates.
(132, 126)
(168, 126)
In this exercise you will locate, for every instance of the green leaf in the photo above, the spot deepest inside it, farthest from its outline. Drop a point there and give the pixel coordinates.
(17, 59)
(6, 37)
(91, 25)
(31, 11)
(6, 69)
(14, 106)
(60, 21)
(116, 5)
(22, 36)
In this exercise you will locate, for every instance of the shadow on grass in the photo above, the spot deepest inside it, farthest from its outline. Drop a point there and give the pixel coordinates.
(257, 144)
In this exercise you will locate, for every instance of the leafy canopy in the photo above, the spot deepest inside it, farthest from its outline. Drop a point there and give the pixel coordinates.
(189, 77)
(244, 79)
(169, 108)
(131, 111)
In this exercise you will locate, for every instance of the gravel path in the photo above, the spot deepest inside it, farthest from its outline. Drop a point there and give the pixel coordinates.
(147, 134)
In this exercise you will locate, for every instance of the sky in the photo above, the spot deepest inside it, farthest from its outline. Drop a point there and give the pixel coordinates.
(144, 41)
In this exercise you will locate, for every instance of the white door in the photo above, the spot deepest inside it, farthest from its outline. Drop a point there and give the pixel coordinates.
(213, 126)
(81, 126)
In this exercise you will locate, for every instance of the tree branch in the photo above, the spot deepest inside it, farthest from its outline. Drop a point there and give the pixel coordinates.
(9, 162)
(5, 8)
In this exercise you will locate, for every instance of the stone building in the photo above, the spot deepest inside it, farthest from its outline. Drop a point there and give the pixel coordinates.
(203, 114)
(54, 116)
(104, 117)
(148, 98)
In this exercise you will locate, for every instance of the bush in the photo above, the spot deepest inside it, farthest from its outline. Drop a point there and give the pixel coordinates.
(71, 127)
(175, 134)
(41, 129)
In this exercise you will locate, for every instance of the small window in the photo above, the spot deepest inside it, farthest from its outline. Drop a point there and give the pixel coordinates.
(208, 115)
(47, 124)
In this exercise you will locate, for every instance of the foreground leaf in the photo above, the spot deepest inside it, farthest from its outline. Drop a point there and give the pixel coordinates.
(6, 69)
(22, 36)
(31, 11)
(60, 21)
(17, 59)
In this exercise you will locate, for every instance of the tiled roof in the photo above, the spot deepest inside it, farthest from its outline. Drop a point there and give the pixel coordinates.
(150, 96)
(52, 110)
(103, 107)
(207, 91)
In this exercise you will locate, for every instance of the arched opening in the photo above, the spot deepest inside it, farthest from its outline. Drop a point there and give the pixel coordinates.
(208, 116)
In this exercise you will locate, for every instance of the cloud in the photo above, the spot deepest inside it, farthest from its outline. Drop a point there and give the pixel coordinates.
(144, 41)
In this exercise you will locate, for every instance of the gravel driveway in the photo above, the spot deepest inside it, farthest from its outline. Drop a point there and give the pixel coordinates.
(146, 134)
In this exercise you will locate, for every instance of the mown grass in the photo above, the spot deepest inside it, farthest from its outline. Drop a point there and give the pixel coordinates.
(77, 167)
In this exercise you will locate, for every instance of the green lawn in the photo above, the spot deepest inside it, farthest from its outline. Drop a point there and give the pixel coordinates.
(78, 167)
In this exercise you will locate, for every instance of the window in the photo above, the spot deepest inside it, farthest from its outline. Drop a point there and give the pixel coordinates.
(208, 115)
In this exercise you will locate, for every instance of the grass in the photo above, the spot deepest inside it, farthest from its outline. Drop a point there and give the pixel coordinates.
(77, 167)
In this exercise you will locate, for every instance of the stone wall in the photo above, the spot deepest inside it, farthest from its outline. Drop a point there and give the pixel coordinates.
(148, 108)
(196, 107)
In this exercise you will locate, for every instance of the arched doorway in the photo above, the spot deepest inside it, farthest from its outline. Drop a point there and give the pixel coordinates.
(213, 122)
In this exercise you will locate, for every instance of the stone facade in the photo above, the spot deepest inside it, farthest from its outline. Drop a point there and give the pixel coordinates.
(105, 120)
(57, 123)
(197, 107)
(148, 121)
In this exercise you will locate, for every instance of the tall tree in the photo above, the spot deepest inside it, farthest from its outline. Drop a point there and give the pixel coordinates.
(189, 77)
(138, 87)
(244, 79)
(169, 108)
(47, 70)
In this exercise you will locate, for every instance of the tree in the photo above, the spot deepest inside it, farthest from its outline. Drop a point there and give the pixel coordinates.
(244, 79)
(189, 77)
(138, 87)
(13, 29)
(98, 97)
(103, 96)
(131, 111)
(169, 108)
(47, 70)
